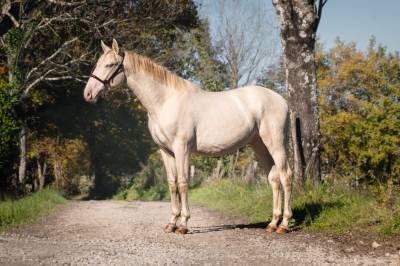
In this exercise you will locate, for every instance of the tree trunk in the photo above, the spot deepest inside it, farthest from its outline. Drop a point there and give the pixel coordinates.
(22, 154)
(298, 23)
(303, 102)
(296, 144)
(59, 172)
(250, 176)
(41, 172)
(44, 170)
(218, 171)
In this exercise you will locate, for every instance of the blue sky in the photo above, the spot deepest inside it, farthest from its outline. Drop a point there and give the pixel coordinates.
(357, 20)
(350, 20)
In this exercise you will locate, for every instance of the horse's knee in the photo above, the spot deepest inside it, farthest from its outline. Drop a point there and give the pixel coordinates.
(273, 177)
(277, 213)
(288, 214)
(183, 186)
(173, 188)
(286, 183)
(286, 179)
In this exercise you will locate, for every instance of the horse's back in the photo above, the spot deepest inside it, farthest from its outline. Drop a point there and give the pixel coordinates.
(263, 103)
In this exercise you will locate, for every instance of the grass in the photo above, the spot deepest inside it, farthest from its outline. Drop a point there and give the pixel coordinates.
(29, 208)
(324, 209)
(156, 192)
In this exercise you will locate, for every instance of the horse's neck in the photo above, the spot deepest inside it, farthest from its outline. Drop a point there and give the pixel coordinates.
(151, 93)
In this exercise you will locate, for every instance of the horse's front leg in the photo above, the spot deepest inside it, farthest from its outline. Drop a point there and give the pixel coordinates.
(170, 168)
(182, 154)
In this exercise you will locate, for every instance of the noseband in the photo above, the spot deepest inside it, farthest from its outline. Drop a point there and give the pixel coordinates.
(119, 69)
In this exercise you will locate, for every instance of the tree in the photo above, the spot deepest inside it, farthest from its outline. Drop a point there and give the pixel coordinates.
(299, 22)
(359, 106)
(51, 76)
(244, 36)
(273, 77)
(209, 70)
(8, 132)
(32, 60)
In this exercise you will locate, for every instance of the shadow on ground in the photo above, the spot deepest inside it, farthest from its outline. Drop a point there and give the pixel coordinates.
(224, 227)
(307, 213)
(303, 215)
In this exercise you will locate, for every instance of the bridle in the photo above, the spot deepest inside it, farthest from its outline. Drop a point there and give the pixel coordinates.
(119, 69)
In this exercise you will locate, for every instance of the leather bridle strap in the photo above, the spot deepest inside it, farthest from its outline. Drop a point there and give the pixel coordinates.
(118, 70)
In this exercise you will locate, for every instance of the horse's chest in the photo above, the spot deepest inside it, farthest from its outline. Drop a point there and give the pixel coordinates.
(160, 135)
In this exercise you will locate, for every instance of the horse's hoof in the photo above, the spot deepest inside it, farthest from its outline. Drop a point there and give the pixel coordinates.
(182, 230)
(282, 230)
(270, 228)
(169, 228)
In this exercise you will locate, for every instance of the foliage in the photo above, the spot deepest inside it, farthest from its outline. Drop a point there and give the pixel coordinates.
(156, 192)
(8, 128)
(150, 182)
(113, 134)
(20, 211)
(68, 160)
(323, 208)
(360, 122)
(8, 123)
(147, 184)
(274, 78)
(208, 69)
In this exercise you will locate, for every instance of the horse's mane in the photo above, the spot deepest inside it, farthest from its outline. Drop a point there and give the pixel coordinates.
(139, 63)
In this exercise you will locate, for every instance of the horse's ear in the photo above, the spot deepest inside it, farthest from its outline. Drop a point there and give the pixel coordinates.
(104, 46)
(115, 46)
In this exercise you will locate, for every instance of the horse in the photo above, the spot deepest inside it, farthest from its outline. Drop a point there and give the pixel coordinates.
(185, 119)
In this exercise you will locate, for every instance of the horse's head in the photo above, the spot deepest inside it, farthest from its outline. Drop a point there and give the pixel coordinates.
(108, 73)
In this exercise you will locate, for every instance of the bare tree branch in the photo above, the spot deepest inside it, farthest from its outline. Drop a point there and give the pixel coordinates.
(66, 78)
(46, 60)
(62, 18)
(36, 82)
(245, 38)
(5, 11)
(65, 3)
(321, 5)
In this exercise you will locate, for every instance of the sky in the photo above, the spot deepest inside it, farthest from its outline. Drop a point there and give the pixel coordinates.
(357, 20)
(350, 20)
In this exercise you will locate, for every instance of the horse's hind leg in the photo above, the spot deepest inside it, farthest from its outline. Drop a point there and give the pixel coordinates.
(274, 141)
(267, 163)
(170, 168)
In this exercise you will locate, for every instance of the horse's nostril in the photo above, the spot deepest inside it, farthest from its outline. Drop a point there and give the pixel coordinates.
(89, 95)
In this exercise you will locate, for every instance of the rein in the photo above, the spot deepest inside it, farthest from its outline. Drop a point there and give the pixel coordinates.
(119, 69)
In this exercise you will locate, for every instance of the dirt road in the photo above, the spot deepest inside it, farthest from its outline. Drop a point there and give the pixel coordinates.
(122, 233)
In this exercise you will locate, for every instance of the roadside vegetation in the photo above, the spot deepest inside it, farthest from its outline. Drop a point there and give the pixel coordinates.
(326, 208)
(25, 210)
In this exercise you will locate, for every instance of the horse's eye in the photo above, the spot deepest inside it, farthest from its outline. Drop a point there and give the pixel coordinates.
(110, 65)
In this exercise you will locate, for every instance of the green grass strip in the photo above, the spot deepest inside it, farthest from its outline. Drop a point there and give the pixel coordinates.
(322, 209)
(29, 208)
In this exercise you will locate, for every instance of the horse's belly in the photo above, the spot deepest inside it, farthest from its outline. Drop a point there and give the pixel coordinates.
(222, 141)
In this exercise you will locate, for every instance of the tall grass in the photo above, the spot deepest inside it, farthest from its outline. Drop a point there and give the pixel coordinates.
(27, 209)
(324, 208)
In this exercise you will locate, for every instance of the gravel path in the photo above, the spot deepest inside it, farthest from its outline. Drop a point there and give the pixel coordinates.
(130, 233)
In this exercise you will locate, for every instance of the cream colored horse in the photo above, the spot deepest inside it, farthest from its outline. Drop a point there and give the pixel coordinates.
(185, 119)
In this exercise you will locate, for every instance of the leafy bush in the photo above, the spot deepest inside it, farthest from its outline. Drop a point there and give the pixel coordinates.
(151, 183)
(360, 122)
